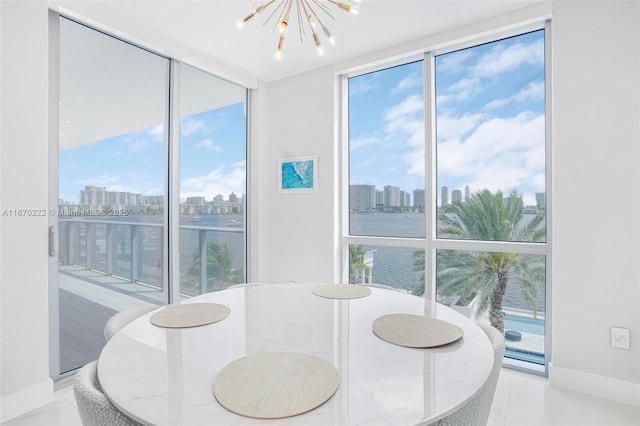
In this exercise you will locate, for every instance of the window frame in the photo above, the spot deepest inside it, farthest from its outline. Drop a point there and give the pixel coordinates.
(431, 243)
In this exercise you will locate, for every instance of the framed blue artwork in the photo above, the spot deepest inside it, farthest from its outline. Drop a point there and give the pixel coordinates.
(298, 174)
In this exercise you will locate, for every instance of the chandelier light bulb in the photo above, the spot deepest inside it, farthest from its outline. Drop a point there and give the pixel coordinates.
(354, 10)
(330, 37)
(240, 23)
(320, 50)
(278, 54)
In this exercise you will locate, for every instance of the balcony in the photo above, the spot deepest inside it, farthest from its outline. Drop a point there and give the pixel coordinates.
(108, 265)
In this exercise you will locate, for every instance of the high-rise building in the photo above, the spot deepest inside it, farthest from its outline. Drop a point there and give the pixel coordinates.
(391, 196)
(456, 196)
(444, 197)
(467, 193)
(405, 199)
(379, 198)
(97, 196)
(541, 200)
(195, 201)
(153, 200)
(93, 196)
(362, 197)
(418, 198)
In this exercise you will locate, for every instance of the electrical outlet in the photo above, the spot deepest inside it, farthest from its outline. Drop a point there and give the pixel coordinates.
(620, 337)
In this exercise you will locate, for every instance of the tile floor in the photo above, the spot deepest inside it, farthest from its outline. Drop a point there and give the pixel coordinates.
(521, 399)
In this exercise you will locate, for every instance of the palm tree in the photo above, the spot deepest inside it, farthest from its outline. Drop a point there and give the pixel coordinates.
(356, 262)
(219, 266)
(488, 217)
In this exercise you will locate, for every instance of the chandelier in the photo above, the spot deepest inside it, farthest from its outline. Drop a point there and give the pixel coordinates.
(307, 12)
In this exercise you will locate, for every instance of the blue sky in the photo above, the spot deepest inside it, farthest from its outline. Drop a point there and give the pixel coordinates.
(490, 121)
(212, 159)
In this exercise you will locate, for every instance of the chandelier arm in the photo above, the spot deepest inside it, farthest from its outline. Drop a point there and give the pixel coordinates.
(284, 12)
(316, 16)
(324, 8)
(274, 12)
(300, 22)
(344, 6)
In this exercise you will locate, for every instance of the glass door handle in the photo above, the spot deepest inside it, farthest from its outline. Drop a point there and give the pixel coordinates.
(52, 241)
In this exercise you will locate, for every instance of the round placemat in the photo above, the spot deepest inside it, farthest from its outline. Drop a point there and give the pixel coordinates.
(415, 331)
(190, 315)
(341, 291)
(273, 385)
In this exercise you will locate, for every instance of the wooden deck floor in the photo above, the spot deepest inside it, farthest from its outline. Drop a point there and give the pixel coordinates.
(87, 300)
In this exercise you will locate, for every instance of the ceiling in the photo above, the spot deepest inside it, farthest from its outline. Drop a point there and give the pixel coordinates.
(208, 28)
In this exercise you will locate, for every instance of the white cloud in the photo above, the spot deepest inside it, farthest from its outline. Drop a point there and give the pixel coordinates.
(189, 126)
(534, 91)
(207, 144)
(453, 127)
(157, 132)
(404, 127)
(452, 62)
(410, 105)
(462, 90)
(218, 181)
(502, 154)
(412, 80)
(365, 141)
(361, 86)
(138, 146)
(502, 59)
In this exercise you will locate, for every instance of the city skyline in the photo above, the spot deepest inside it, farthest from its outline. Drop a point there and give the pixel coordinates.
(365, 197)
(93, 195)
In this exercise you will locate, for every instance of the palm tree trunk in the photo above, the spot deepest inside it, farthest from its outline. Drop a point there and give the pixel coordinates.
(496, 316)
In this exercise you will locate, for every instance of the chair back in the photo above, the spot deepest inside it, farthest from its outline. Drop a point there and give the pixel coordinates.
(94, 407)
(119, 320)
(476, 411)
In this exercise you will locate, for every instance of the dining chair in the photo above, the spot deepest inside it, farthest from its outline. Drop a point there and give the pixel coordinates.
(119, 320)
(476, 411)
(94, 407)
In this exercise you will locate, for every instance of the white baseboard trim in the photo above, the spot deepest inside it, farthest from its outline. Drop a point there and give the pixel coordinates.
(19, 403)
(592, 384)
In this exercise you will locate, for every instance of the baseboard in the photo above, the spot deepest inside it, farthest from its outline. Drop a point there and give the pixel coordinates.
(592, 384)
(19, 403)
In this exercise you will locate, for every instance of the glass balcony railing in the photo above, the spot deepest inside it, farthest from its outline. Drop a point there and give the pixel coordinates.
(211, 257)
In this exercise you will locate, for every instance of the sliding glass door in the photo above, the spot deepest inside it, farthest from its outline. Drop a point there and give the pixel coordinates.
(212, 182)
(116, 117)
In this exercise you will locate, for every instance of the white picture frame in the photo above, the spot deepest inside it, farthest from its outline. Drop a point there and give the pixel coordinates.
(298, 174)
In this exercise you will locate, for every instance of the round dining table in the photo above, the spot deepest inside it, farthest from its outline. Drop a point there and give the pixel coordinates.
(165, 376)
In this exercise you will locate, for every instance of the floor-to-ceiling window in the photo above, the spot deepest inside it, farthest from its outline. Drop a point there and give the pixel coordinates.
(447, 160)
(212, 182)
(118, 108)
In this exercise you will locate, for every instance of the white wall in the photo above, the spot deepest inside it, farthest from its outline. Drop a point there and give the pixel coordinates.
(596, 187)
(300, 244)
(596, 132)
(24, 314)
(596, 115)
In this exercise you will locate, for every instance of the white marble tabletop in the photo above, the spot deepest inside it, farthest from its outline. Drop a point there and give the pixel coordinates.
(164, 376)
